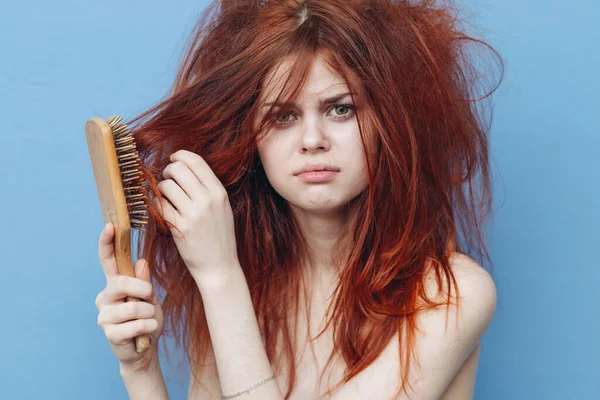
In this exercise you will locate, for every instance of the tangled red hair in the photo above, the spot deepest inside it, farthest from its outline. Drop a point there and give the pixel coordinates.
(415, 85)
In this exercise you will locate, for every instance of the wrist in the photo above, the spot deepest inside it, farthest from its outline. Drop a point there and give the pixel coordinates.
(147, 366)
(144, 384)
(221, 280)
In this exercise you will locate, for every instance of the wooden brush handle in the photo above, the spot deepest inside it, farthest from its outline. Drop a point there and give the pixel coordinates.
(125, 267)
(112, 199)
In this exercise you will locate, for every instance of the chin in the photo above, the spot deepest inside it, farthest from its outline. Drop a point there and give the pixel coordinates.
(318, 206)
(318, 199)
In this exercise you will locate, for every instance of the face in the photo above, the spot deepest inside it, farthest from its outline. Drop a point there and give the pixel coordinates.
(315, 133)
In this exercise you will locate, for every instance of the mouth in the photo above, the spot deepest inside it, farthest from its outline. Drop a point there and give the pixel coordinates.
(317, 176)
(316, 168)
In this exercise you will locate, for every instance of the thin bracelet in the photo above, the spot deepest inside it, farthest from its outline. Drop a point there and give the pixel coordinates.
(250, 388)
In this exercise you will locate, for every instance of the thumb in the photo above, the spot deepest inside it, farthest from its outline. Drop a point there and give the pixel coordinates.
(106, 251)
(141, 270)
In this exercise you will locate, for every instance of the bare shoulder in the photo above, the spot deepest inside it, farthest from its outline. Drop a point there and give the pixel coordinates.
(450, 343)
(475, 284)
(470, 271)
(477, 300)
(447, 343)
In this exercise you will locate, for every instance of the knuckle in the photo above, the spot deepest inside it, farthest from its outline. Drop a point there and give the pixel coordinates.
(203, 207)
(194, 214)
(184, 227)
(164, 184)
(140, 326)
(197, 163)
(120, 282)
(98, 300)
(110, 334)
(130, 309)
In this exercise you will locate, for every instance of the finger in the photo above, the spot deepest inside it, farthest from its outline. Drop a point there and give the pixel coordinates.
(121, 286)
(175, 194)
(164, 207)
(122, 312)
(200, 168)
(106, 251)
(142, 271)
(99, 300)
(186, 179)
(121, 334)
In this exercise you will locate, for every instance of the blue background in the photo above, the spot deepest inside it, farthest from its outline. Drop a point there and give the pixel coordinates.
(66, 61)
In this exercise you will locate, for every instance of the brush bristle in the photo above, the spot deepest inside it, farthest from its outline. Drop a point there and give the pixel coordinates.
(131, 174)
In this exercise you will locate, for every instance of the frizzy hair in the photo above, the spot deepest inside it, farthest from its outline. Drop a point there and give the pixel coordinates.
(426, 149)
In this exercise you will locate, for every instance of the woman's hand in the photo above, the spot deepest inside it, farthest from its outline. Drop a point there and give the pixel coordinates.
(199, 207)
(123, 321)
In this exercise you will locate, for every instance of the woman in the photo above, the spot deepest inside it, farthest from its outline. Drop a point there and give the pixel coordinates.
(348, 283)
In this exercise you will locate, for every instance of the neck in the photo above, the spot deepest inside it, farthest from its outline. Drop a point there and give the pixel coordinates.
(321, 232)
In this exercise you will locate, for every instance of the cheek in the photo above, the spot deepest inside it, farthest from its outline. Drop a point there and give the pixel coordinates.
(354, 154)
(356, 165)
(273, 160)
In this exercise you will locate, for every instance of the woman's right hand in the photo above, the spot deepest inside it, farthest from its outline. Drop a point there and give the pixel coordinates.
(122, 321)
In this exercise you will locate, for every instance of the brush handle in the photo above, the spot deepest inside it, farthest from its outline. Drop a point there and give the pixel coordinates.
(142, 342)
(125, 267)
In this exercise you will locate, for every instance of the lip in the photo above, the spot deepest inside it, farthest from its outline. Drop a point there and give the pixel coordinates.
(317, 176)
(316, 167)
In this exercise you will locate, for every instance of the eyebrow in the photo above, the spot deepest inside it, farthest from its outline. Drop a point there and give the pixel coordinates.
(322, 102)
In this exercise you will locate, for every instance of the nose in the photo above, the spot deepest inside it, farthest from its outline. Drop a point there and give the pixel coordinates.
(314, 137)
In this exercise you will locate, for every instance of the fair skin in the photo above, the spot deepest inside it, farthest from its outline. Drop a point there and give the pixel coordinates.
(315, 133)
(312, 134)
(200, 209)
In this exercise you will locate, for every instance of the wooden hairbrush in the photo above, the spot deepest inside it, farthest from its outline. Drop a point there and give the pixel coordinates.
(120, 185)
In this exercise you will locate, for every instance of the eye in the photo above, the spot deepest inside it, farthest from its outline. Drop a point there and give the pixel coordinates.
(285, 113)
(349, 108)
(344, 106)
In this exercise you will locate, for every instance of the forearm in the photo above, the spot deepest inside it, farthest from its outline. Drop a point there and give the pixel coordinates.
(239, 350)
(148, 385)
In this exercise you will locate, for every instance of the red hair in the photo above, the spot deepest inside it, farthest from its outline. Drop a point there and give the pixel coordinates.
(427, 156)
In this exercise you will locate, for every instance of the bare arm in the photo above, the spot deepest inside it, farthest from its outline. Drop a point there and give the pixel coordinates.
(239, 351)
(462, 386)
(208, 386)
(149, 385)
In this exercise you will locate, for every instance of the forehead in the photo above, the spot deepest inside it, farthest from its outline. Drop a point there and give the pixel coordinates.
(321, 78)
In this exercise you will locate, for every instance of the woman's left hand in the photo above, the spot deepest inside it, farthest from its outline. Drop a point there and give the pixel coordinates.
(200, 209)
